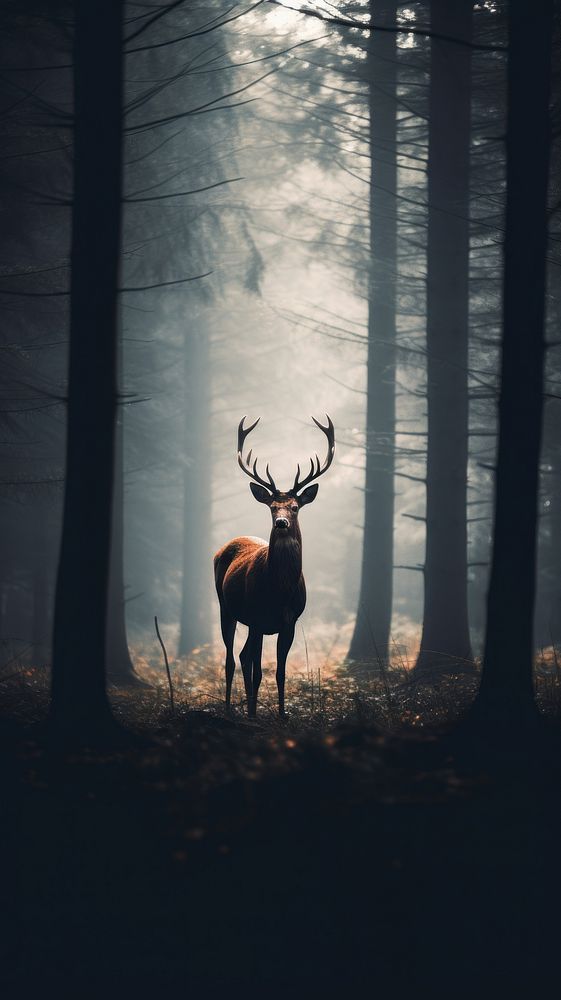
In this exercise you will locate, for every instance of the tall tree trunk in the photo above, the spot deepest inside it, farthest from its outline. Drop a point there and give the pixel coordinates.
(79, 703)
(445, 642)
(547, 618)
(553, 554)
(505, 705)
(553, 635)
(195, 624)
(120, 669)
(547, 622)
(371, 638)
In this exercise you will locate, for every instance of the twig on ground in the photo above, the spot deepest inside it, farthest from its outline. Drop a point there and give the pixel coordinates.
(167, 665)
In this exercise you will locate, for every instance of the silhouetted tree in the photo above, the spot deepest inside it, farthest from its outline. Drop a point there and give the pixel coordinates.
(505, 702)
(371, 637)
(548, 596)
(34, 314)
(445, 642)
(195, 629)
(79, 699)
(120, 669)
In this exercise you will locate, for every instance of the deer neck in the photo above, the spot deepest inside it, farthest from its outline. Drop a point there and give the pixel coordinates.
(285, 559)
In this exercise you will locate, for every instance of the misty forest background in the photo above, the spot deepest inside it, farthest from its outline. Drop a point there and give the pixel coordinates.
(297, 214)
(215, 209)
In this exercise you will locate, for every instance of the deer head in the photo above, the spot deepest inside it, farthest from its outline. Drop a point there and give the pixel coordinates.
(284, 506)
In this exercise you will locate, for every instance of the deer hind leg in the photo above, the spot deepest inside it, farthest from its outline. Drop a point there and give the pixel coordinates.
(246, 659)
(228, 626)
(284, 642)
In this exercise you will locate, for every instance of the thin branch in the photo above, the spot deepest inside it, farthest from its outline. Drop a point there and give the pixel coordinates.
(167, 665)
(398, 29)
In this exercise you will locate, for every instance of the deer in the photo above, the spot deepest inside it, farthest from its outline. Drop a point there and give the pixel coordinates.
(261, 584)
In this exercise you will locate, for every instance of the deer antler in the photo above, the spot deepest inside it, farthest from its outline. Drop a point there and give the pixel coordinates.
(251, 470)
(316, 469)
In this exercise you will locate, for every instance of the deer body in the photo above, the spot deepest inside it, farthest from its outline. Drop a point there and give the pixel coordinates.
(261, 585)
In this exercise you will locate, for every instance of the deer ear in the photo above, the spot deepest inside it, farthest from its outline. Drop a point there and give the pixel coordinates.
(309, 494)
(260, 493)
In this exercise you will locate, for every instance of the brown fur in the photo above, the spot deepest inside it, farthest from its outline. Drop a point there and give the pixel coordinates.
(261, 585)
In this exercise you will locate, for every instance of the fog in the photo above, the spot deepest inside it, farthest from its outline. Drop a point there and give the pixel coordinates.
(246, 271)
(291, 348)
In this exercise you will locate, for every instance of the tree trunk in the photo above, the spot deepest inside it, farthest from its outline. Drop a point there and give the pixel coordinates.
(547, 616)
(79, 705)
(195, 604)
(445, 642)
(547, 620)
(371, 638)
(505, 706)
(553, 556)
(120, 669)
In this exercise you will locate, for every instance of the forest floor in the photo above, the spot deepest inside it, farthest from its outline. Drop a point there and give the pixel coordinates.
(212, 853)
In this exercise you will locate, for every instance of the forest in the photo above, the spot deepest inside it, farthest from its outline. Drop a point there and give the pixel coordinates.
(284, 242)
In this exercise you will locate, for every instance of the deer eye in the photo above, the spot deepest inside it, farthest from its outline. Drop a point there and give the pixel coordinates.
(294, 509)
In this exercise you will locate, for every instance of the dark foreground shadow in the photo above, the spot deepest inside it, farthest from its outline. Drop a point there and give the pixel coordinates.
(221, 856)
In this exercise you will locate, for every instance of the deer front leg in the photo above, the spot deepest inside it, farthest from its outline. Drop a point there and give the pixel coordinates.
(256, 653)
(246, 661)
(228, 626)
(250, 657)
(284, 642)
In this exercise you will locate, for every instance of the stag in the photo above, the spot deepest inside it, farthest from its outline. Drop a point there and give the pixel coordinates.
(261, 585)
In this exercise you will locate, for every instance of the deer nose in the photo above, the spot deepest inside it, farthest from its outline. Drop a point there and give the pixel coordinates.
(281, 522)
